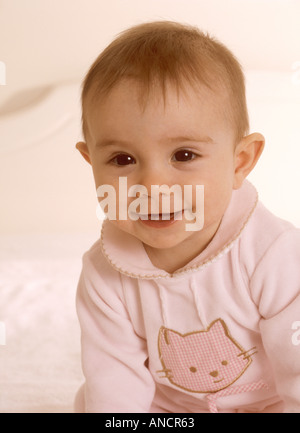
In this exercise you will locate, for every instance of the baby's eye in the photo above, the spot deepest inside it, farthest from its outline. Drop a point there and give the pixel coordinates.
(123, 159)
(183, 155)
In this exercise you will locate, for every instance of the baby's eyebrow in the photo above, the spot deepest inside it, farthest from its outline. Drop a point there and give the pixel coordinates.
(183, 139)
(110, 142)
(171, 140)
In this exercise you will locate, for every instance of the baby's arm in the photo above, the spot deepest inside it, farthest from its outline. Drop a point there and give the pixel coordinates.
(113, 355)
(276, 289)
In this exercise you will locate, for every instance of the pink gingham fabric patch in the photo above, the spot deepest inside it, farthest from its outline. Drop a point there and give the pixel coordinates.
(238, 389)
(202, 361)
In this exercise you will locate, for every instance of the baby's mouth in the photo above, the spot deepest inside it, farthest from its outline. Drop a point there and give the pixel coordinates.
(159, 220)
(167, 216)
(161, 216)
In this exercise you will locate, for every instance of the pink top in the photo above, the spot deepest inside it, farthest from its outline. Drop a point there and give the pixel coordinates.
(218, 335)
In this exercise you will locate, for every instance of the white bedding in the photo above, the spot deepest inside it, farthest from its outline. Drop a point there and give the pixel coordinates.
(40, 364)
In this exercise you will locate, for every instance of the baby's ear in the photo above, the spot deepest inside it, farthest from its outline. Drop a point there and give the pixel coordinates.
(247, 153)
(83, 149)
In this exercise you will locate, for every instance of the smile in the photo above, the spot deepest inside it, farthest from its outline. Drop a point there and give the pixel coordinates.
(161, 216)
(161, 220)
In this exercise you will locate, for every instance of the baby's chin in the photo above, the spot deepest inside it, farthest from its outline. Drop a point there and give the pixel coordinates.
(165, 244)
(158, 238)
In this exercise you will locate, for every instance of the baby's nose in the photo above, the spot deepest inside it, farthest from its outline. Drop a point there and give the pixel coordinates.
(214, 373)
(155, 172)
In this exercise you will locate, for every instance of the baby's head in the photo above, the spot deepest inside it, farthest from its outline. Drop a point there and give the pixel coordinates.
(160, 53)
(164, 104)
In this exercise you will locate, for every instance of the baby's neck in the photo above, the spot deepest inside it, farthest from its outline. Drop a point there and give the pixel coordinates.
(175, 258)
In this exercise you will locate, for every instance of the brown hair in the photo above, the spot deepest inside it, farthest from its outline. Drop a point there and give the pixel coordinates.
(162, 51)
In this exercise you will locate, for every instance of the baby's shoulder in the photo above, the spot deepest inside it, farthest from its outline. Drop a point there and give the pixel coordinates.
(95, 262)
(265, 232)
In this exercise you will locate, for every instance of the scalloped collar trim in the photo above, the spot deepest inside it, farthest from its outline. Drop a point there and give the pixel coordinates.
(127, 255)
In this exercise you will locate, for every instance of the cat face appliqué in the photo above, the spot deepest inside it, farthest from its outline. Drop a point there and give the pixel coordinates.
(202, 361)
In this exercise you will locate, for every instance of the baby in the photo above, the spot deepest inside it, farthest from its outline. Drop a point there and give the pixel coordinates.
(191, 306)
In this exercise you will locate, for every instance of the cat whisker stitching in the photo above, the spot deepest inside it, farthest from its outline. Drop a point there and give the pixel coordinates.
(166, 377)
(168, 373)
(247, 355)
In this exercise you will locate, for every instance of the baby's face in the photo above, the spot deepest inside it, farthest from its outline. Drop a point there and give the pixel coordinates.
(186, 141)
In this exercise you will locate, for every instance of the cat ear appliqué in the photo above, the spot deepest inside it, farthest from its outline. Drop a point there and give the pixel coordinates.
(202, 361)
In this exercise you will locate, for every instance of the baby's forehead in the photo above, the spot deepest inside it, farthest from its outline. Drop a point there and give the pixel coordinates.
(155, 94)
(188, 112)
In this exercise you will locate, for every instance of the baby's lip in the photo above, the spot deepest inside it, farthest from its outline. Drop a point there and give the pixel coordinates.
(159, 216)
